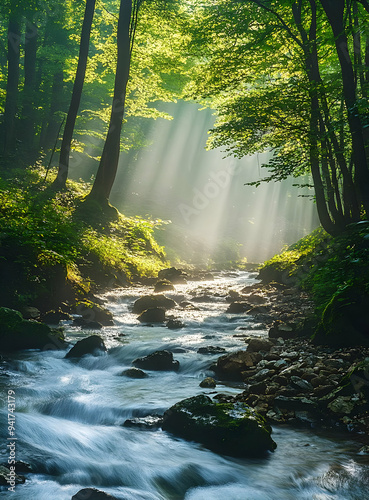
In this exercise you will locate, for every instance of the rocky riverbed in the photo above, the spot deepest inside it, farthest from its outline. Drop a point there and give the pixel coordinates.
(289, 379)
(219, 358)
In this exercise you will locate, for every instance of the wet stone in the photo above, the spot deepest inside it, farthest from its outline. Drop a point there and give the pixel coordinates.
(301, 384)
(134, 373)
(208, 383)
(211, 350)
(256, 345)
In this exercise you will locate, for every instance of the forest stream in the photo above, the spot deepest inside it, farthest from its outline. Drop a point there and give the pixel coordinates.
(70, 416)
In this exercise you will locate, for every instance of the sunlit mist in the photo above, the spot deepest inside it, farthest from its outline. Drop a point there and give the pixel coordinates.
(204, 195)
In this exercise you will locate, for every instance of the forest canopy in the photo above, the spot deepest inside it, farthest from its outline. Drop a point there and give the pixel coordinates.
(290, 77)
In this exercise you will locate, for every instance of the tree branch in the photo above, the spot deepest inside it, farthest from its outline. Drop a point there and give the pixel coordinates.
(280, 19)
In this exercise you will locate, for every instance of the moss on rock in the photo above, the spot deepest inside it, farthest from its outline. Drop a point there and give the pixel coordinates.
(17, 333)
(227, 428)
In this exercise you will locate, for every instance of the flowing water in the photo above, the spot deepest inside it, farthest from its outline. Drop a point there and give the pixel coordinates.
(69, 417)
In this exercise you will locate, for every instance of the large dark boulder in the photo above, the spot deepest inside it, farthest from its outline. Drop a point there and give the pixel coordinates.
(149, 301)
(152, 315)
(345, 320)
(159, 361)
(92, 494)
(232, 429)
(89, 345)
(17, 333)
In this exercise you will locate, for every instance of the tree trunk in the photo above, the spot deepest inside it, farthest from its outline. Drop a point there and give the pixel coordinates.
(76, 95)
(53, 121)
(12, 86)
(334, 10)
(107, 170)
(28, 112)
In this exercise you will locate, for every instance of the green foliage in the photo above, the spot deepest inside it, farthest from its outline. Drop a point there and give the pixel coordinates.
(326, 266)
(40, 231)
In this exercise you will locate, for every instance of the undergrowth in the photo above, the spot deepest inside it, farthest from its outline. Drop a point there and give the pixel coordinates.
(40, 229)
(324, 266)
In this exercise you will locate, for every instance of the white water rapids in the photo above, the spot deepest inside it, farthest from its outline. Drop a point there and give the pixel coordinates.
(69, 417)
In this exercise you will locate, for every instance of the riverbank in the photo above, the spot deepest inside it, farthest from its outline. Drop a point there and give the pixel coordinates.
(289, 378)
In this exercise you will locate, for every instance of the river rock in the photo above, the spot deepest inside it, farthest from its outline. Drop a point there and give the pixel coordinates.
(134, 373)
(163, 286)
(208, 383)
(185, 304)
(175, 324)
(174, 275)
(232, 365)
(150, 422)
(256, 299)
(301, 384)
(283, 330)
(152, 315)
(29, 312)
(17, 333)
(238, 307)
(210, 349)
(92, 494)
(89, 345)
(5, 475)
(342, 405)
(231, 429)
(91, 311)
(256, 345)
(87, 324)
(159, 361)
(148, 301)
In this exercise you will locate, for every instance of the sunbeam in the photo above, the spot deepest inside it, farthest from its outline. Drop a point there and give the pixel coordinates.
(204, 194)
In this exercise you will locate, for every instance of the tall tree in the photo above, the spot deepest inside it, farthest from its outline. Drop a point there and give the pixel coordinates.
(335, 11)
(76, 95)
(11, 103)
(109, 160)
(30, 58)
(277, 88)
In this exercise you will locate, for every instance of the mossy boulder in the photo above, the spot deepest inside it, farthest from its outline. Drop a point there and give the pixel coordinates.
(232, 429)
(345, 320)
(17, 333)
(149, 301)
